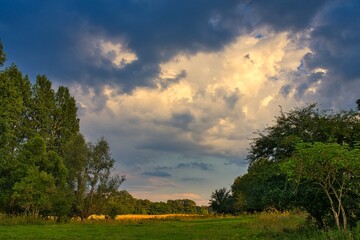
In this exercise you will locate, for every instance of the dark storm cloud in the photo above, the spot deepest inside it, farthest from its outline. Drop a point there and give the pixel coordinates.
(283, 15)
(52, 37)
(56, 38)
(181, 120)
(335, 47)
(336, 41)
(196, 165)
(171, 144)
(168, 81)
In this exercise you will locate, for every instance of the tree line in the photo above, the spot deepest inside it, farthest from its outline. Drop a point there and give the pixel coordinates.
(122, 202)
(309, 160)
(47, 168)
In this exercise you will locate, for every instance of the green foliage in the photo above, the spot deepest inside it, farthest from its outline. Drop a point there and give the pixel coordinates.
(142, 206)
(33, 192)
(12, 107)
(43, 107)
(221, 201)
(269, 183)
(263, 187)
(119, 202)
(44, 161)
(185, 206)
(89, 176)
(332, 168)
(307, 124)
(66, 122)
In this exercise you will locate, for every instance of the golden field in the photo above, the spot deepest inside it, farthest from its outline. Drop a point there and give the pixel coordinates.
(140, 216)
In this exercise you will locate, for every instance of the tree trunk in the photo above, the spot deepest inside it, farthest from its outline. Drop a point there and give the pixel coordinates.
(333, 209)
(343, 214)
(340, 207)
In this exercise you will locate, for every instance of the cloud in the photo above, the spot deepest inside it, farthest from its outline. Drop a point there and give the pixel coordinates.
(334, 44)
(157, 173)
(184, 82)
(192, 179)
(212, 111)
(285, 15)
(117, 53)
(199, 126)
(113, 42)
(196, 165)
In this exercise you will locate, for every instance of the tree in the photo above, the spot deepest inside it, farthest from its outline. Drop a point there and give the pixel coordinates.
(89, 174)
(13, 94)
(262, 187)
(40, 143)
(358, 104)
(182, 206)
(159, 208)
(66, 122)
(43, 110)
(142, 206)
(266, 185)
(75, 160)
(33, 193)
(119, 202)
(35, 177)
(331, 168)
(307, 124)
(221, 201)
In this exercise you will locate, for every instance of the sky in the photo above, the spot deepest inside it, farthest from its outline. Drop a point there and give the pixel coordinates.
(178, 88)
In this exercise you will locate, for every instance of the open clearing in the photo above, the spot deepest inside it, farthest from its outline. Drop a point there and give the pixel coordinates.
(260, 226)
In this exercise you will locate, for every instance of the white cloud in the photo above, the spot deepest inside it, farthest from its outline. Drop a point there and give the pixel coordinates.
(101, 51)
(117, 53)
(212, 110)
(227, 94)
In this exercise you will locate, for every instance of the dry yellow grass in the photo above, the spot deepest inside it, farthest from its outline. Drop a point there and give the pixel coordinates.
(139, 216)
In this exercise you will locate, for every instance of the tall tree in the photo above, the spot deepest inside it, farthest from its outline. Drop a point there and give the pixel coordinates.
(12, 98)
(90, 174)
(43, 110)
(307, 124)
(75, 158)
(221, 201)
(277, 143)
(35, 176)
(33, 192)
(261, 188)
(13, 94)
(331, 168)
(66, 122)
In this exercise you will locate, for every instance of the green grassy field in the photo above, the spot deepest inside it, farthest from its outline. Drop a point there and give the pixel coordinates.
(261, 226)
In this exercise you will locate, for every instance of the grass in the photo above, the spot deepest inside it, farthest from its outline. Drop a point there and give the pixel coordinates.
(258, 226)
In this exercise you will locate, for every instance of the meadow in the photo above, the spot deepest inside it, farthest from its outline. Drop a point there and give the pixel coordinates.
(255, 226)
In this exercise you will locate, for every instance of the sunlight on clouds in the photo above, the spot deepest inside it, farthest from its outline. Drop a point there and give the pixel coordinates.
(221, 100)
(117, 53)
(266, 101)
(206, 104)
